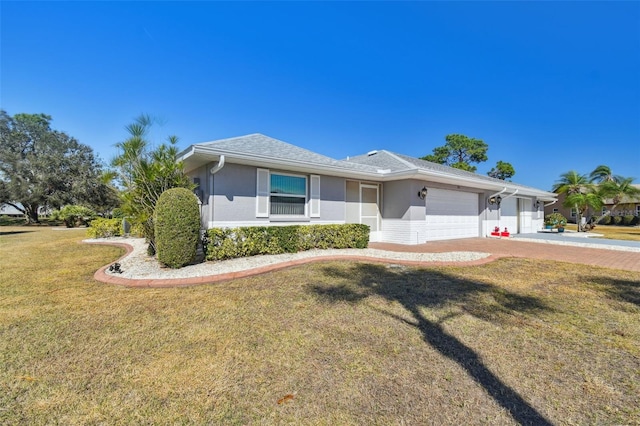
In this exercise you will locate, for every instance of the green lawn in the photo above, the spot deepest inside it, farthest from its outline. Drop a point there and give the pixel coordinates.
(513, 341)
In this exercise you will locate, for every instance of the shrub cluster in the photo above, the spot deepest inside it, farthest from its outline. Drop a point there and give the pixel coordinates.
(74, 215)
(229, 243)
(177, 227)
(626, 220)
(105, 228)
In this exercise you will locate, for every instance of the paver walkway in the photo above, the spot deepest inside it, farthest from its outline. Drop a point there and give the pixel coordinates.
(625, 260)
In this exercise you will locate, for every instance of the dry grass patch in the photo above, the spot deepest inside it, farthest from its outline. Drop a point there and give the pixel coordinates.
(627, 233)
(342, 342)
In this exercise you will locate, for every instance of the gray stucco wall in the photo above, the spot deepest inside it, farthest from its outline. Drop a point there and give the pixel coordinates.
(231, 198)
(401, 200)
(332, 196)
(234, 192)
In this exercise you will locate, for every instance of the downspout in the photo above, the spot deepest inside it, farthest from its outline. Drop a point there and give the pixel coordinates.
(215, 169)
(510, 195)
(498, 193)
(218, 166)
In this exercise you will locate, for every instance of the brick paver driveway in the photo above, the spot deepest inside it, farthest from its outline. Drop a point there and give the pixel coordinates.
(626, 260)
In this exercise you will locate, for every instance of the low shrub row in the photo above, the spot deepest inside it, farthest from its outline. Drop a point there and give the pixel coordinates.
(626, 220)
(105, 228)
(229, 243)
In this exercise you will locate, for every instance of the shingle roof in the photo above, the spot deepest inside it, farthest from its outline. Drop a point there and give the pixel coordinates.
(398, 162)
(379, 163)
(260, 145)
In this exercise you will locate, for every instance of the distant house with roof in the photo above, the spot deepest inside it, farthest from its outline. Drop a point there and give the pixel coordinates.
(628, 206)
(256, 180)
(9, 211)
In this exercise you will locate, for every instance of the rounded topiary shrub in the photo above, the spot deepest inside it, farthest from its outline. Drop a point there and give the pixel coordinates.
(177, 227)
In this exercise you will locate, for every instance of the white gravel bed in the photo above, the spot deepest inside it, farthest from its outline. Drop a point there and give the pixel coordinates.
(138, 265)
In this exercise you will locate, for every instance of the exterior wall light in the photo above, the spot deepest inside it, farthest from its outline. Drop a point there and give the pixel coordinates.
(495, 200)
(422, 194)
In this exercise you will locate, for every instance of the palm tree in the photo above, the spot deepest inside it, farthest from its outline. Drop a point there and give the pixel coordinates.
(603, 174)
(145, 173)
(581, 201)
(580, 194)
(618, 190)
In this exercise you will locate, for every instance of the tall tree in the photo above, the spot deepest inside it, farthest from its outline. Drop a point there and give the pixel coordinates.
(459, 152)
(502, 171)
(41, 167)
(144, 173)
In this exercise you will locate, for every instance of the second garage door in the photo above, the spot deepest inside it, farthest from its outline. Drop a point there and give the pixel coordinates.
(451, 214)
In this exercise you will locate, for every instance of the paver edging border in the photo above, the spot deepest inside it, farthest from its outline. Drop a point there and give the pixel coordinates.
(101, 275)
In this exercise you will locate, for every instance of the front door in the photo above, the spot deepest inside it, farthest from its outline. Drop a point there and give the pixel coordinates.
(369, 209)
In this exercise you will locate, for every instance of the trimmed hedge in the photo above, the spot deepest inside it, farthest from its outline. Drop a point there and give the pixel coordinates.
(177, 227)
(104, 228)
(628, 219)
(230, 243)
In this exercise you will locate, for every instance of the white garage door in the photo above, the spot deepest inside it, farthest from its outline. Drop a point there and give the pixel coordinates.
(451, 214)
(509, 215)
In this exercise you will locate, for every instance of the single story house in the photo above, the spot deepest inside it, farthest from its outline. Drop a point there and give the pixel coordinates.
(256, 180)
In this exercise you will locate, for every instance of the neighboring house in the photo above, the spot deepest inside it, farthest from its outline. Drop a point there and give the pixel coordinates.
(628, 206)
(10, 211)
(256, 180)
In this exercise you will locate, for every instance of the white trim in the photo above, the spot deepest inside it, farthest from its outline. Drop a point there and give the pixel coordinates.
(237, 224)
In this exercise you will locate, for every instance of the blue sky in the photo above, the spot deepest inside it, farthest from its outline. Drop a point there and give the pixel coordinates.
(549, 86)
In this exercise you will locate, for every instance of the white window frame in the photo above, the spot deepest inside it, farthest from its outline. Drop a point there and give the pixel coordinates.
(638, 210)
(277, 194)
(574, 212)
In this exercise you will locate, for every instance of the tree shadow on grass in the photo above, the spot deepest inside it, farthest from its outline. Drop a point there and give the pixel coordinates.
(418, 289)
(4, 233)
(622, 290)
